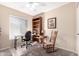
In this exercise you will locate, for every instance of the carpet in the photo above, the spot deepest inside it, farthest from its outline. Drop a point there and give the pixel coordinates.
(40, 51)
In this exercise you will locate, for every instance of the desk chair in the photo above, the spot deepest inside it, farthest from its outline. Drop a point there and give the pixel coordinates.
(27, 39)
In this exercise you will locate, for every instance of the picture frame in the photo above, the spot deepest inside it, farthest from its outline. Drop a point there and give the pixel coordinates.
(52, 23)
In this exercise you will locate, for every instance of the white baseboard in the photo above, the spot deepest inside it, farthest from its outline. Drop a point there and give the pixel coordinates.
(4, 48)
(68, 50)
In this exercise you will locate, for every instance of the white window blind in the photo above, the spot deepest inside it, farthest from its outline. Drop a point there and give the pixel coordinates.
(18, 26)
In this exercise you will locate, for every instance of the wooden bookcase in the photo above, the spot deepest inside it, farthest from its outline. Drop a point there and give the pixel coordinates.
(37, 26)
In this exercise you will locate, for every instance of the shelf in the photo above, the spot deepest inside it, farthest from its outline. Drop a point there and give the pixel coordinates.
(37, 25)
(35, 28)
(36, 21)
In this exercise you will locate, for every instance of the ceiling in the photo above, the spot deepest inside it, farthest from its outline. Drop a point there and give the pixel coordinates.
(33, 8)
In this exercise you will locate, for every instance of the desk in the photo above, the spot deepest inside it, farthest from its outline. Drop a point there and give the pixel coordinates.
(35, 38)
(17, 41)
(39, 38)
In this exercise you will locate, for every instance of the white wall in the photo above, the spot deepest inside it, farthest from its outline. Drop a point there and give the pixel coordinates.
(66, 25)
(77, 33)
(0, 32)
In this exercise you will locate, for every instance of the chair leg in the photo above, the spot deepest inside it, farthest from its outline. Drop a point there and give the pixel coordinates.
(26, 44)
(43, 45)
(31, 44)
(53, 48)
(21, 46)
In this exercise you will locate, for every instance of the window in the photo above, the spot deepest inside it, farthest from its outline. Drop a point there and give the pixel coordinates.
(18, 26)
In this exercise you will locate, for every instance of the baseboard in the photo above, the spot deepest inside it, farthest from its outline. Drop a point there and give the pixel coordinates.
(4, 48)
(67, 50)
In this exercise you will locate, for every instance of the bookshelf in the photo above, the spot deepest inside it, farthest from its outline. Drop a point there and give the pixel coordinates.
(37, 26)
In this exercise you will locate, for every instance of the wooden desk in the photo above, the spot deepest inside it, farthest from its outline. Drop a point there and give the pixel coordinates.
(35, 38)
(39, 38)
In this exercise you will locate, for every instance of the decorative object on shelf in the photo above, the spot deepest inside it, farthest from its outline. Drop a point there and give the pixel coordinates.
(52, 23)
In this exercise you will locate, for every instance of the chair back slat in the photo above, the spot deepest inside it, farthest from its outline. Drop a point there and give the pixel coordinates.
(53, 36)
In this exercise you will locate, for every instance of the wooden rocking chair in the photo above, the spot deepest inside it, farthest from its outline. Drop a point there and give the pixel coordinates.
(49, 45)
